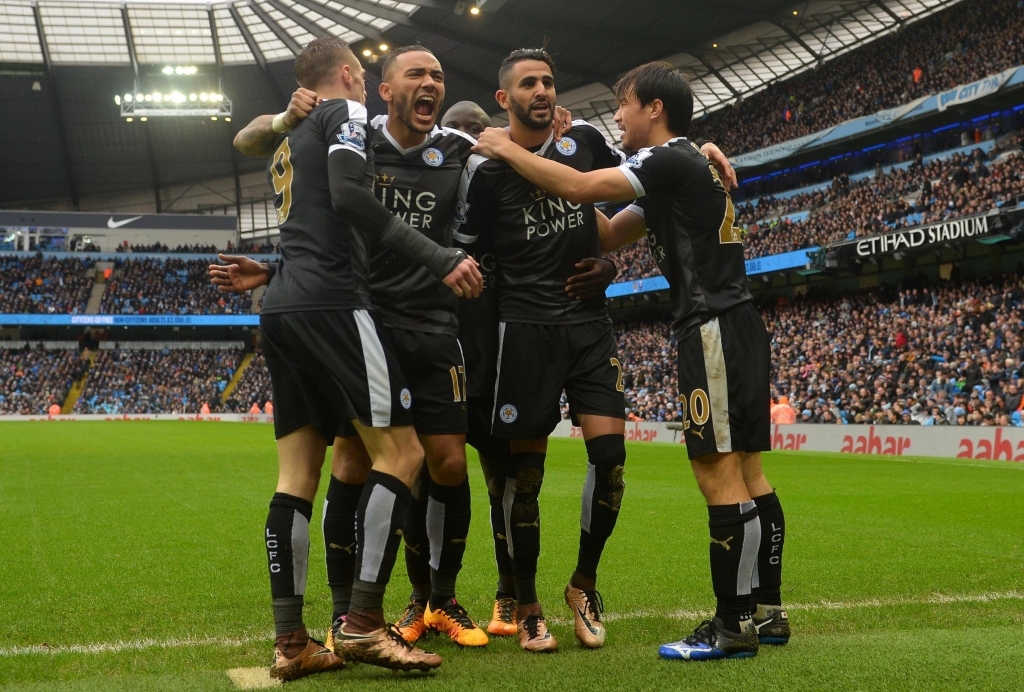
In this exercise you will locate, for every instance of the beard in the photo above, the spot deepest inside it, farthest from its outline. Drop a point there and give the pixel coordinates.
(404, 105)
(526, 116)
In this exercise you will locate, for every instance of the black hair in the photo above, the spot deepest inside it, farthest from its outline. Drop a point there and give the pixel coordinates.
(661, 81)
(319, 58)
(518, 56)
(389, 61)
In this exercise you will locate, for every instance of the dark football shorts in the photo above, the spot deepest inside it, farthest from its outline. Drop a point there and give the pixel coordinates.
(537, 361)
(479, 435)
(332, 366)
(724, 384)
(436, 376)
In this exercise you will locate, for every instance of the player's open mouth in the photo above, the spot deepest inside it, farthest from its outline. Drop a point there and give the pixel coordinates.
(541, 107)
(424, 106)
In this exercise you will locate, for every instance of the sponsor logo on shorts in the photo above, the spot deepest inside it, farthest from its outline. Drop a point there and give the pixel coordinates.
(405, 397)
(508, 413)
(433, 157)
(566, 147)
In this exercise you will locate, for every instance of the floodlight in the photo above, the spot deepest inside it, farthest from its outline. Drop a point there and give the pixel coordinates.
(117, 99)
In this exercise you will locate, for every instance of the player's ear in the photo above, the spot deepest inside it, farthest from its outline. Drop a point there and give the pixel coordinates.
(657, 108)
(501, 96)
(385, 91)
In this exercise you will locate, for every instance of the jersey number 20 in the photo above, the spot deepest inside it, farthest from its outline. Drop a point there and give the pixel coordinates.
(281, 173)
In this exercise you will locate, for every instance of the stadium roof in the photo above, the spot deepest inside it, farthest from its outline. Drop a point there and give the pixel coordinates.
(63, 61)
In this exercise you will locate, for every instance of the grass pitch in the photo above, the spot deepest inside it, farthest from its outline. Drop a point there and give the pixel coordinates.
(132, 560)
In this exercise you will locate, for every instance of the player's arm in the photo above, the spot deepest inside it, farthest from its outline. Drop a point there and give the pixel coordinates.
(259, 138)
(346, 168)
(625, 228)
(605, 185)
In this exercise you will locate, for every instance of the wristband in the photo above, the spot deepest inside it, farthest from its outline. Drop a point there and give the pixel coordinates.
(278, 125)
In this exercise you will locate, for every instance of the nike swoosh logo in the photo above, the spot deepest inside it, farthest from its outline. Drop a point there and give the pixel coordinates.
(117, 224)
(758, 627)
(586, 621)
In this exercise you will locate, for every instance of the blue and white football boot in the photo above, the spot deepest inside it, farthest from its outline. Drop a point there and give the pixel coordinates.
(712, 641)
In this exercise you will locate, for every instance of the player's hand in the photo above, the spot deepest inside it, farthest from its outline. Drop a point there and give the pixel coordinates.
(302, 104)
(718, 160)
(238, 274)
(561, 123)
(466, 280)
(491, 142)
(593, 277)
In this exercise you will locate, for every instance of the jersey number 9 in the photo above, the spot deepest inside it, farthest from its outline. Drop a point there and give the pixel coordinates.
(281, 172)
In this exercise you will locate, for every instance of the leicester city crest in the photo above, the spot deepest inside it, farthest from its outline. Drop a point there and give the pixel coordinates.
(405, 397)
(566, 147)
(508, 413)
(433, 157)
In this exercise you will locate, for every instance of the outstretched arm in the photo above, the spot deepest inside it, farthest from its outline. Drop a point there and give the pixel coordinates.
(604, 185)
(259, 137)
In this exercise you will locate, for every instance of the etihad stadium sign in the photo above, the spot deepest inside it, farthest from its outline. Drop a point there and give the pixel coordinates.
(947, 231)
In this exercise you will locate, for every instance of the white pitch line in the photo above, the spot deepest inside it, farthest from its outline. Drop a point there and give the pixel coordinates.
(935, 599)
(145, 644)
(257, 678)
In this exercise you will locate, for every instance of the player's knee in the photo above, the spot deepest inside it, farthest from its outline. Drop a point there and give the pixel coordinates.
(449, 469)
(608, 455)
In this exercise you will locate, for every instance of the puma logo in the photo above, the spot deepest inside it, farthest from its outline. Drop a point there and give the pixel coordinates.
(347, 549)
(399, 533)
(534, 525)
(414, 549)
(725, 543)
(699, 433)
(501, 536)
(458, 540)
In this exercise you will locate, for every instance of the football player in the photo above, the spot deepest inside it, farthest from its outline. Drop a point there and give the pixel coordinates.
(684, 210)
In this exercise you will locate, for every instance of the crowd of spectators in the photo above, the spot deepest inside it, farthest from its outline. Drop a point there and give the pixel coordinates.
(960, 185)
(196, 249)
(44, 285)
(169, 286)
(253, 389)
(933, 355)
(254, 248)
(949, 354)
(167, 381)
(33, 380)
(962, 44)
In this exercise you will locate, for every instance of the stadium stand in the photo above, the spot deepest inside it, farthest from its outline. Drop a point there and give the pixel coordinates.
(253, 388)
(168, 286)
(152, 381)
(949, 354)
(866, 204)
(969, 41)
(180, 249)
(33, 285)
(34, 379)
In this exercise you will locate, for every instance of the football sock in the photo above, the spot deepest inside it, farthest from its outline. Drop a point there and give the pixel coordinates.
(448, 515)
(506, 584)
(379, 520)
(522, 520)
(767, 583)
(417, 544)
(735, 539)
(602, 497)
(287, 542)
(339, 526)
